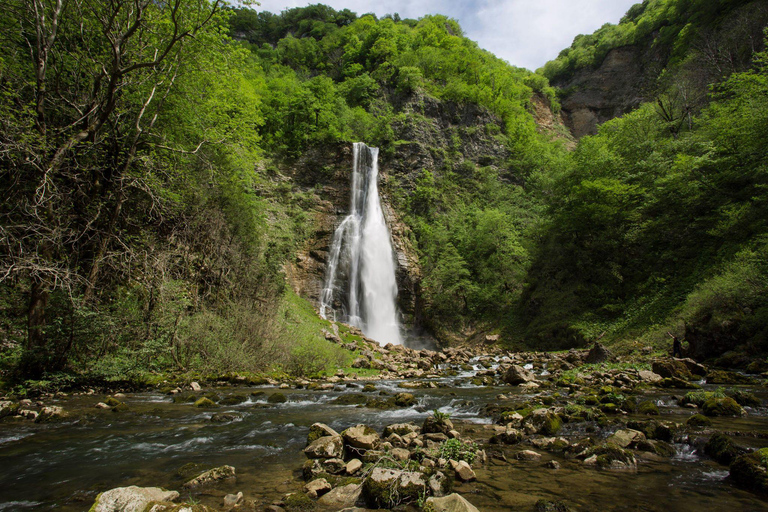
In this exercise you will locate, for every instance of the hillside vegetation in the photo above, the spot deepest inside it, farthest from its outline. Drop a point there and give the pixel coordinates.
(149, 212)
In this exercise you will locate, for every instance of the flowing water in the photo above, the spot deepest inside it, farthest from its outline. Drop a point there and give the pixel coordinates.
(360, 275)
(64, 466)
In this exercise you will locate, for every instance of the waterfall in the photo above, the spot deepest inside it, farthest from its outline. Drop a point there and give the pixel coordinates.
(360, 274)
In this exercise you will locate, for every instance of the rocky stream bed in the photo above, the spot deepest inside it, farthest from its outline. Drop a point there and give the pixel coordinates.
(448, 430)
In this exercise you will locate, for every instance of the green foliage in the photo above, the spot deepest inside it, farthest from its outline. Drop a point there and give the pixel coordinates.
(456, 449)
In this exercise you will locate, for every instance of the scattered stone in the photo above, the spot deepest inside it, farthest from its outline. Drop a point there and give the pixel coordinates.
(518, 375)
(528, 455)
(401, 429)
(317, 488)
(51, 414)
(341, 497)
(625, 438)
(451, 503)
(362, 437)
(230, 500)
(222, 474)
(464, 471)
(385, 488)
(195, 387)
(326, 447)
(353, 466)
(599, 354)
(131, 499)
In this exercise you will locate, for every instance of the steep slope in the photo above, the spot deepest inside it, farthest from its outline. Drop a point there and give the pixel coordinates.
(660, 46)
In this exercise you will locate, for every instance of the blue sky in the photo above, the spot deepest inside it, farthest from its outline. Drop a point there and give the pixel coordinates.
(526, 33)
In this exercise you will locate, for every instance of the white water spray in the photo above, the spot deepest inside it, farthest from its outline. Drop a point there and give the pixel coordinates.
(361, 266)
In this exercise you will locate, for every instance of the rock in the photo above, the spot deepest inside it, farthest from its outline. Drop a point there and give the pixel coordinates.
(514, 420)
(438, 483)
(131, 499)
(528, 455)
(698, 420)
(518, 375)
(552, 464)
(362, 437)
(8, 408)
(551, 506)
(353, 466)
(102, 405)
(51, 414)
(556, 444)
(749, 471)
(317, 488)
(726, 406)
(722, 449)
(671, 368)
(509, 436)
(350, 399)
(222, 474)
(611, 457)
(451, 503)
(334, 466)
(599, 354)
(386, 488)
(225, 417)
(195, 387)
(724, 377)
(649, 376)
(401, 429)
(341, 497)
(230, 500)
(277, 398)
(405, 399)
(648, 407)
(400, 454)
(542, 421)
(326, 447)
(625, 438)
(205, 402)
(436, 425)
(464, 471)
(318, 430)
(28, 414)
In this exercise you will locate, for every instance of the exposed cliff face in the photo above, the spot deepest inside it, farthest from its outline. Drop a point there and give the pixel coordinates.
(434, 135)
(619, 85)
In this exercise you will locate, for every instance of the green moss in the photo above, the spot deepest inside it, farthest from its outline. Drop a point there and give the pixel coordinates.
(698, 420)
(648, 407)
(722, 407)
(205, 402)
(277, 398)
(298, 502)
(722, 449)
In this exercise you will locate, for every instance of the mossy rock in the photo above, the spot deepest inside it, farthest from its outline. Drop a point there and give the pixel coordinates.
(678, 383)
(609, 408)
(648, 407)
(591, 400)
(298, 502)
(698, 420)
(233, 400)
(350, 399)
(205, 402)
(369, 388)
(749, 472)
(225, 417)
(722, 407)
(725, 377)
(653, 429)
(381, 403)
(191, 469)
(120, 407)
(405, 400)
(609, 456)
(277, 398)
(112, 402)
(745, 398)
(722, 449)
(551, 506)
(659, 448)
(257, 394)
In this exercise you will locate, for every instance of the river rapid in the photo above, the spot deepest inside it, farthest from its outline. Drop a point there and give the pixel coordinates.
(156, 441)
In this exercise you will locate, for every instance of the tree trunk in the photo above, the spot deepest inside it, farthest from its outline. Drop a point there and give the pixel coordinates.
(37, 349)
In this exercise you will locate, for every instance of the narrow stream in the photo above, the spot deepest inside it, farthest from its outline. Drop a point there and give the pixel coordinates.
(64, 466)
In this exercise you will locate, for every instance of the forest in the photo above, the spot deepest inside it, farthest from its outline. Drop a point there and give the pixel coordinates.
(148, 214)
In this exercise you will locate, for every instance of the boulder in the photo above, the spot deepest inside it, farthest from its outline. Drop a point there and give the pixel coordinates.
(205, 402)
(326, 447)
(509, 436)
(649, 377)
(516, 374)
(51, 414)
(722, 449)
(725, 377)
(451, 503)
(230, 500)
(362, 437)
(625, 438)
(386, 488)
(726, 406)
(401, 429)
(131, 499)
(528, 455)
(749, 471)
(464, 471)
(599, 354)
(222, 474)
(405, 399)
(671, 368)
(438, 483)
(542, 421)
(436, 425)
(318, 430)
(698, 420)
(353, 466)
(277, 398)
(8, 408)
(341, 497)
(317, 488)
(334, 466)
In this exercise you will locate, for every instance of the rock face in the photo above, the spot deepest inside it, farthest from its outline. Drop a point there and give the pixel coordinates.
(131, 499)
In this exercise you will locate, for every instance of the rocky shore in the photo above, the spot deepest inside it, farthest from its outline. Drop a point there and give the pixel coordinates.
(606, 407)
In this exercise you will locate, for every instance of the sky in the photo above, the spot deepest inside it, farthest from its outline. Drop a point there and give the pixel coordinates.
(525, 33)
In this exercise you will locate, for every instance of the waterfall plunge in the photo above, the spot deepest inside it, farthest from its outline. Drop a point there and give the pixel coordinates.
(361, 264)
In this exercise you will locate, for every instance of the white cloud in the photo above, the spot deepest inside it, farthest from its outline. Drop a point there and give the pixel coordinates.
(525, 33)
